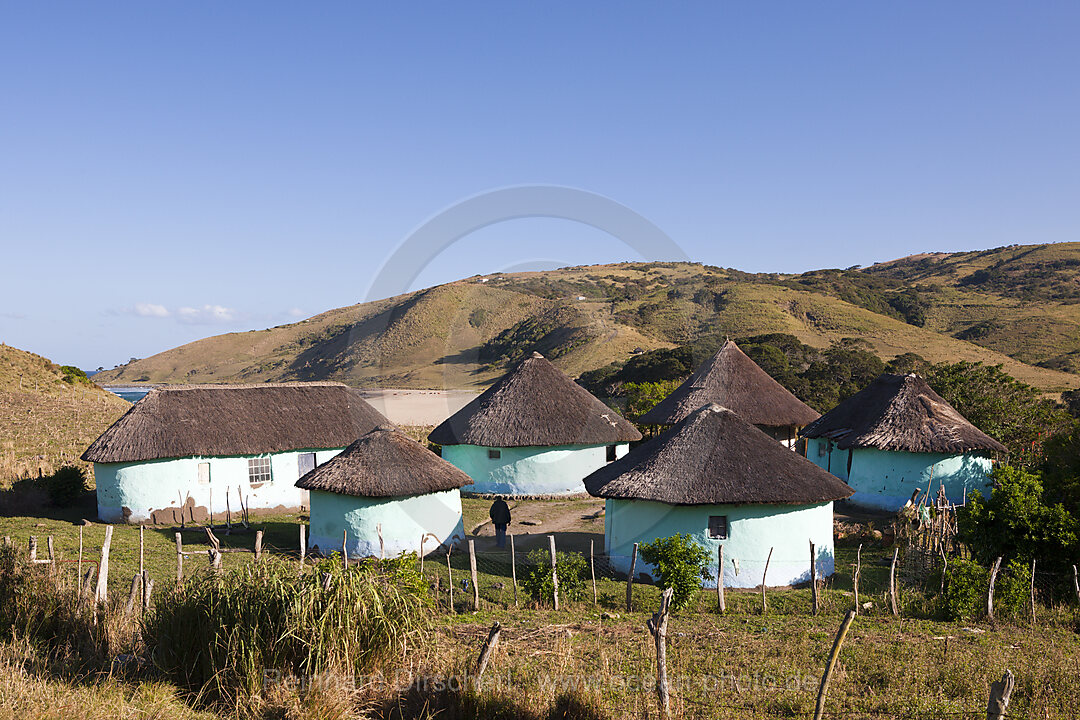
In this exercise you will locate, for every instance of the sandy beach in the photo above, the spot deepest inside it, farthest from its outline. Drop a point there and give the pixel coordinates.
(417, 407)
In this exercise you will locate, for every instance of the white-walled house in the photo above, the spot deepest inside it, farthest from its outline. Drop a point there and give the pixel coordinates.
(186, 452)
(535, 432)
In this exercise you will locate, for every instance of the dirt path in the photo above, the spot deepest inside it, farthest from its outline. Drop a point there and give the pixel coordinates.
(576, 520)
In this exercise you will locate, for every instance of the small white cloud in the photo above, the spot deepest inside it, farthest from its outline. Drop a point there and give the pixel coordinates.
(151, 310)
(207, 315)
(296, 313)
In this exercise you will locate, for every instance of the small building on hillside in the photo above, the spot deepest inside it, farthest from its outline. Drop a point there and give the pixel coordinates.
(721, 480)
(384, 495)
(534, 432)
(185, 452)
(732, 380)
(897, 435)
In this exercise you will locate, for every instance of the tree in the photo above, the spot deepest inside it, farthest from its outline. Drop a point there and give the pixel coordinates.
(680, 562)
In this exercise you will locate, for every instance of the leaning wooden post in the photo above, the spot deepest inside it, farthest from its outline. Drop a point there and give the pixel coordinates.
(764, 604)
(1076, 584)
(1032, 591)
(179, 559)
(485, 651)
(345, 549)
(148, 587)
(592, 571)
(855, 576)
(423, 537)
(32, 548)
(813, 578)
(258, 545)
(630, 580)
(472, 573)
(820, 707)
(78, 573)
(49, 548)
(450, 574)
(721, 605)
(129, 606)
(513, 566)
(657, 626)
(554, 573)
(303, 544)
(1000, 693)
(382, 549)
(990, 591)
(101, 592)
(893, 604)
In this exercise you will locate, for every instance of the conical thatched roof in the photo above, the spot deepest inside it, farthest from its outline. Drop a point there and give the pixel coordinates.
(733, 380)
(534, 404)
(900, 412)
(216, 420)
(384, 463)
(714, 457)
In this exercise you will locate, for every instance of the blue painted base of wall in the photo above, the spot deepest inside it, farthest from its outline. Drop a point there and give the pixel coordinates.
(529, 471)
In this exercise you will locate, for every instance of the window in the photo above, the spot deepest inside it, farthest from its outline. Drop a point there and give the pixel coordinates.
(305, 463)
(611, 457)
(259, 470)
(718, 527)
(494, 454)
(204, 473)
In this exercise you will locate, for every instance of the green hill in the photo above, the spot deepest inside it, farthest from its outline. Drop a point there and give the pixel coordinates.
(48, 414)
(461, 334)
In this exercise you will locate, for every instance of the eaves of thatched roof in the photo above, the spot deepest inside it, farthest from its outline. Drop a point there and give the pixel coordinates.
(534, 405)
(714, 457)
(731, 379)
(384, 463)
(223, 420)
(900, 413)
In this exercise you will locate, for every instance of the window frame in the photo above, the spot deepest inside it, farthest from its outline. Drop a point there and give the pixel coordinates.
(726, 527)
(611, 453)
(494, 453)
(257, 475)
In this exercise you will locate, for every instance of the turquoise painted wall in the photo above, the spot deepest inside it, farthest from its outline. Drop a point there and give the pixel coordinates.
(404, 521)
(885, 480)
(752, 530)
(530, 470)
(144, 487)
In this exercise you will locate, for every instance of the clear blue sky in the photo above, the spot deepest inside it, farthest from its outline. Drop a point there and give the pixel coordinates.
(174, 170)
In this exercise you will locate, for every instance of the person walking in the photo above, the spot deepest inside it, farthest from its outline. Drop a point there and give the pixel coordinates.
(500, 518)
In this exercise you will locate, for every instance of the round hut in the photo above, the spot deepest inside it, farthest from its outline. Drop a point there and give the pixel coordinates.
(384, 495)
(184, 453)
(534, 432)
(732, 380)
(896, 436)
(724, 482)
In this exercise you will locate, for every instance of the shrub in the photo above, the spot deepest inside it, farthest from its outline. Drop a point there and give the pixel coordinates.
(1012, 590)
(966, 586)
(680, 563)
(572, 571)
(224, 634)
(66, 486)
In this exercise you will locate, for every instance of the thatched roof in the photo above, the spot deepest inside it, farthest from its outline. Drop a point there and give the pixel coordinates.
(534, 405)
(216, 420)
(714, 457)
(733, 380)
(384, 463)
(900, 412)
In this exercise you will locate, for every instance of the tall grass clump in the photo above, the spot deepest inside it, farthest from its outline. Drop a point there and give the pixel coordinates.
(226, 634)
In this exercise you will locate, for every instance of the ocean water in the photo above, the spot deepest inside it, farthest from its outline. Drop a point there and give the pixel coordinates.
(131, 394)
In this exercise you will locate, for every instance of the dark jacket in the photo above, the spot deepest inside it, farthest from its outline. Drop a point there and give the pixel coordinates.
(500, 513)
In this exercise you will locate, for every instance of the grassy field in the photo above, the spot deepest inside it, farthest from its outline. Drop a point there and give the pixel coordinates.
(745, 663)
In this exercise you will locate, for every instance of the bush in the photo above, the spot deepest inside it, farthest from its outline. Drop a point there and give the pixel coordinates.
(1012, 590)
(223, 634)
(572, 571)
(966, 585)
(680, 562)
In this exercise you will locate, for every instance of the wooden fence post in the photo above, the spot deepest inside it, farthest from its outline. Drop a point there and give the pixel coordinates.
(303, 544)
(592, 571)
(129, 606)
(894, 605)
(148, 587)
(101, 592)
(345, 549)
(721, 605)
(49, 548)
(485, 651)
(1033, 591)
(855, 576)
(32, 548)
(382, 549)
(657, 626)
(990, 592)
(258, 545)
(1076, 584)
(554, 573)
(179, 559)
(630, 580)
(764, 604)
(472, 573)
(513, 567)
(450, 574)
(813, 578)
(841, 633)
(1000, 693)
(78, 572)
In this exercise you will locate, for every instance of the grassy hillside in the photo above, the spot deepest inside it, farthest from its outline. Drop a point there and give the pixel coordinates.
(46, 420)
(462, 334)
